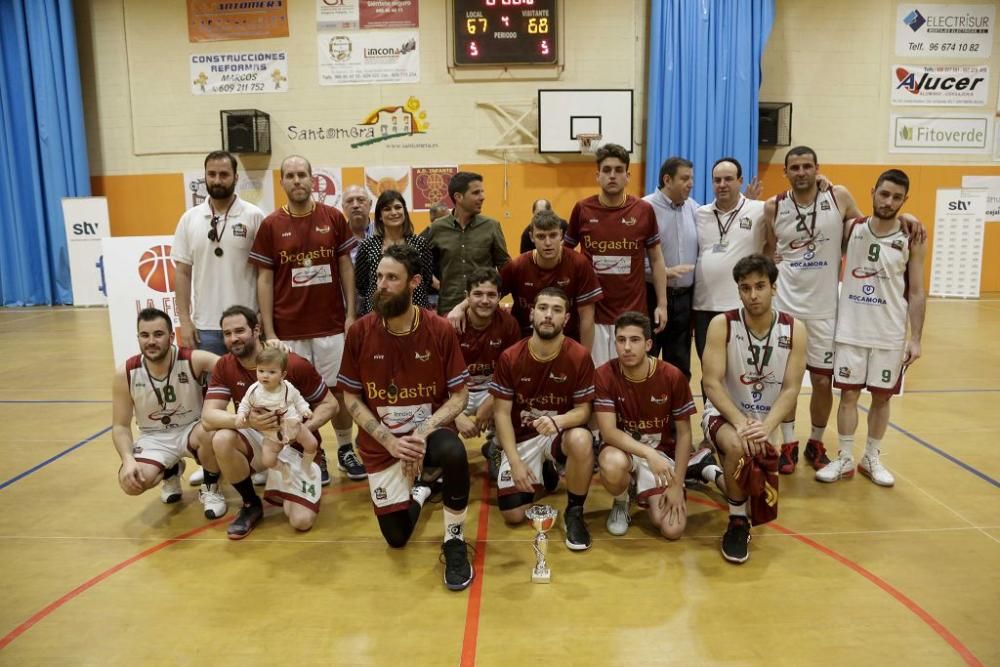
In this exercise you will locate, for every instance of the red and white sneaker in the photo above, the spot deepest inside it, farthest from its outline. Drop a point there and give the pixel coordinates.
(815, 454)
(872, 468)
(839, 468)
(788, 457)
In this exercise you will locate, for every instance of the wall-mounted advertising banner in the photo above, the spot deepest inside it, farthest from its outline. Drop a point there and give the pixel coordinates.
(389, 14)
(140, 274)
(956, 134)
(216, 21)
(945, 31)
(940, 85)
(328, 185)
(337, 13)
(430, 186)
(380, 179)
(256, 187)
(239, 73)
(86, 220)
(368, 56)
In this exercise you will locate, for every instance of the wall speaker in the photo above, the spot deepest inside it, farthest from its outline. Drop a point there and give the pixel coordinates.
(246, 131)
(775, 123)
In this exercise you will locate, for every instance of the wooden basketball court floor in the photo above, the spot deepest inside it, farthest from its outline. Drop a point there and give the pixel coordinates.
(849, 573)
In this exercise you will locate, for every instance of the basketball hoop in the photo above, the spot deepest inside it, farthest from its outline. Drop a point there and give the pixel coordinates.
(589, 141)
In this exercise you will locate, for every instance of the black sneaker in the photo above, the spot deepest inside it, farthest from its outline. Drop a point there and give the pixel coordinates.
(458, 571)
(491, 452)
(349, 462)
(244, 522)
(324, 470)
(550, 476)
(736, 541)
(577, 535)
(696, 466)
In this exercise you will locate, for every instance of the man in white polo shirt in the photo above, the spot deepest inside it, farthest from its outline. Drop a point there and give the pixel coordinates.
(211, 247)
(729, 229)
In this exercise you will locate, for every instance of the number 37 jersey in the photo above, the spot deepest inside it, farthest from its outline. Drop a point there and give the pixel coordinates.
(755, 367)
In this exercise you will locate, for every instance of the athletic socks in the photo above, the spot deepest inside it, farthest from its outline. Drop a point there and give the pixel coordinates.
(817, 433)
(245, 489)
(454, 522)
(622, 497)
(846, 443)
(211, 478)
(343, 436)
(872, 447)
(171, 471)
(788, 431)
(737, 507)
(575, 500)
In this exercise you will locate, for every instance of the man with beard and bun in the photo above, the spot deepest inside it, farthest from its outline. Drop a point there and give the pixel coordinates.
(161, 388)
(754, 360)
(305, 285)
(644, 407)
(542, 389)
(238, 450)
(490, 330)
(210, 250)
(804, 230)
(883, 288)
(618, 232)
(404, 381)
(548, 265)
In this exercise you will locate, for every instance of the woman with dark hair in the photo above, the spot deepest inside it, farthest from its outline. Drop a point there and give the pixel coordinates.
(392, 227)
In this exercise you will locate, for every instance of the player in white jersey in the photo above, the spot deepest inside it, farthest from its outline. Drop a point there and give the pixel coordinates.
(805, 228)
(161, 388)
(883, 288)
(753, 365)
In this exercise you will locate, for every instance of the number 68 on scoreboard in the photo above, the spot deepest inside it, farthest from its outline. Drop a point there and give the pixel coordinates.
(505, 32)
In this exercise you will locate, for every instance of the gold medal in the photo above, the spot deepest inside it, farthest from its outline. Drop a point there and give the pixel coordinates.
(392, 391)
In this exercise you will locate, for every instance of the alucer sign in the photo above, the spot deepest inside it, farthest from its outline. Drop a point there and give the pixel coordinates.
(965, 85)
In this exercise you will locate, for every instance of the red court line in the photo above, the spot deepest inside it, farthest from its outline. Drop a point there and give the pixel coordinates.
(470, 641)
(899, 596)
(90, 583)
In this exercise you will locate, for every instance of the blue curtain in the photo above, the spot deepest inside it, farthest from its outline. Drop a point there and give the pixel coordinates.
(43, 148)
(704, 81)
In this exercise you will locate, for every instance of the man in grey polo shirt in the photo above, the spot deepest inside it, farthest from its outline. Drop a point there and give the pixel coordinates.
(465, 240)
(675, 217)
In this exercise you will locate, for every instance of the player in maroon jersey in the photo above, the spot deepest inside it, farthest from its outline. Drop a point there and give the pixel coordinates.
(542, 389)
(490, 330)
(404, 382)
(161, 389)
(305, 286)
(548, 265)
(644, 409)
(238, 451)
(617, 232)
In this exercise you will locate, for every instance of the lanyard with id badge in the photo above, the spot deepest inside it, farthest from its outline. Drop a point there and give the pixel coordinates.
(723, 244)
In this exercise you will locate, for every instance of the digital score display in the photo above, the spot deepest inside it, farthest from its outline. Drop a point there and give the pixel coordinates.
(505, 32)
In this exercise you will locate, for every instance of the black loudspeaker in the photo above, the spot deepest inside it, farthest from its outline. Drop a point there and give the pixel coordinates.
(775, 124)
(246, 131)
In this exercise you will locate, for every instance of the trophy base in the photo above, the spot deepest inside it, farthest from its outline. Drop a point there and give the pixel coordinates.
(541, 578)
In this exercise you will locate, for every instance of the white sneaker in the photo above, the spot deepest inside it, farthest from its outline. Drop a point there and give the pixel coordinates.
(839, 468)
(197, 478)
(619, 518)
(170, 489)
(420, 492)
(872, 468)
(213, 501)
(259, 478)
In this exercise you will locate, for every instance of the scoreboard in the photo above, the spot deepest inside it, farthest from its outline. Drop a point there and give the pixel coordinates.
(505, 32)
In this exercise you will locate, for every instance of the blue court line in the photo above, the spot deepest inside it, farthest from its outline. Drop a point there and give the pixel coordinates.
(61, 454)
(26, 401)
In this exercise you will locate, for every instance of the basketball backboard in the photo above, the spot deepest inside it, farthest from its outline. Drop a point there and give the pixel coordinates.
(565, 114)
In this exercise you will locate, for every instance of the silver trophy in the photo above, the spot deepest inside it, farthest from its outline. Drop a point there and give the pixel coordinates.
(542, 517)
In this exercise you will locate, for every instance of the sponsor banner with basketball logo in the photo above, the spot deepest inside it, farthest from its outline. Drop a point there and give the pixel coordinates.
(430, 186)
(945, 31)
(368, 57)
(337, 13)
(380, 179)
(238, 73)
(957, 134)
(328, 185)
(959, 85)
(256, 187)
(140, 274)
(389, 14)
(86, 220)
(213, 21)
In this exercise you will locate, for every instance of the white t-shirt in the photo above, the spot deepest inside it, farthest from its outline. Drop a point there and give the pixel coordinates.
(218, 282)
(723, 240)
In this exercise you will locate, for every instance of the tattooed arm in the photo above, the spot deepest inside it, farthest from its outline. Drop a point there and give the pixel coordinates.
(363, 417)
(446, 413)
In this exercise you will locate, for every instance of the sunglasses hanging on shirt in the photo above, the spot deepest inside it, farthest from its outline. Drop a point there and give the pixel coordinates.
(215, 233)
